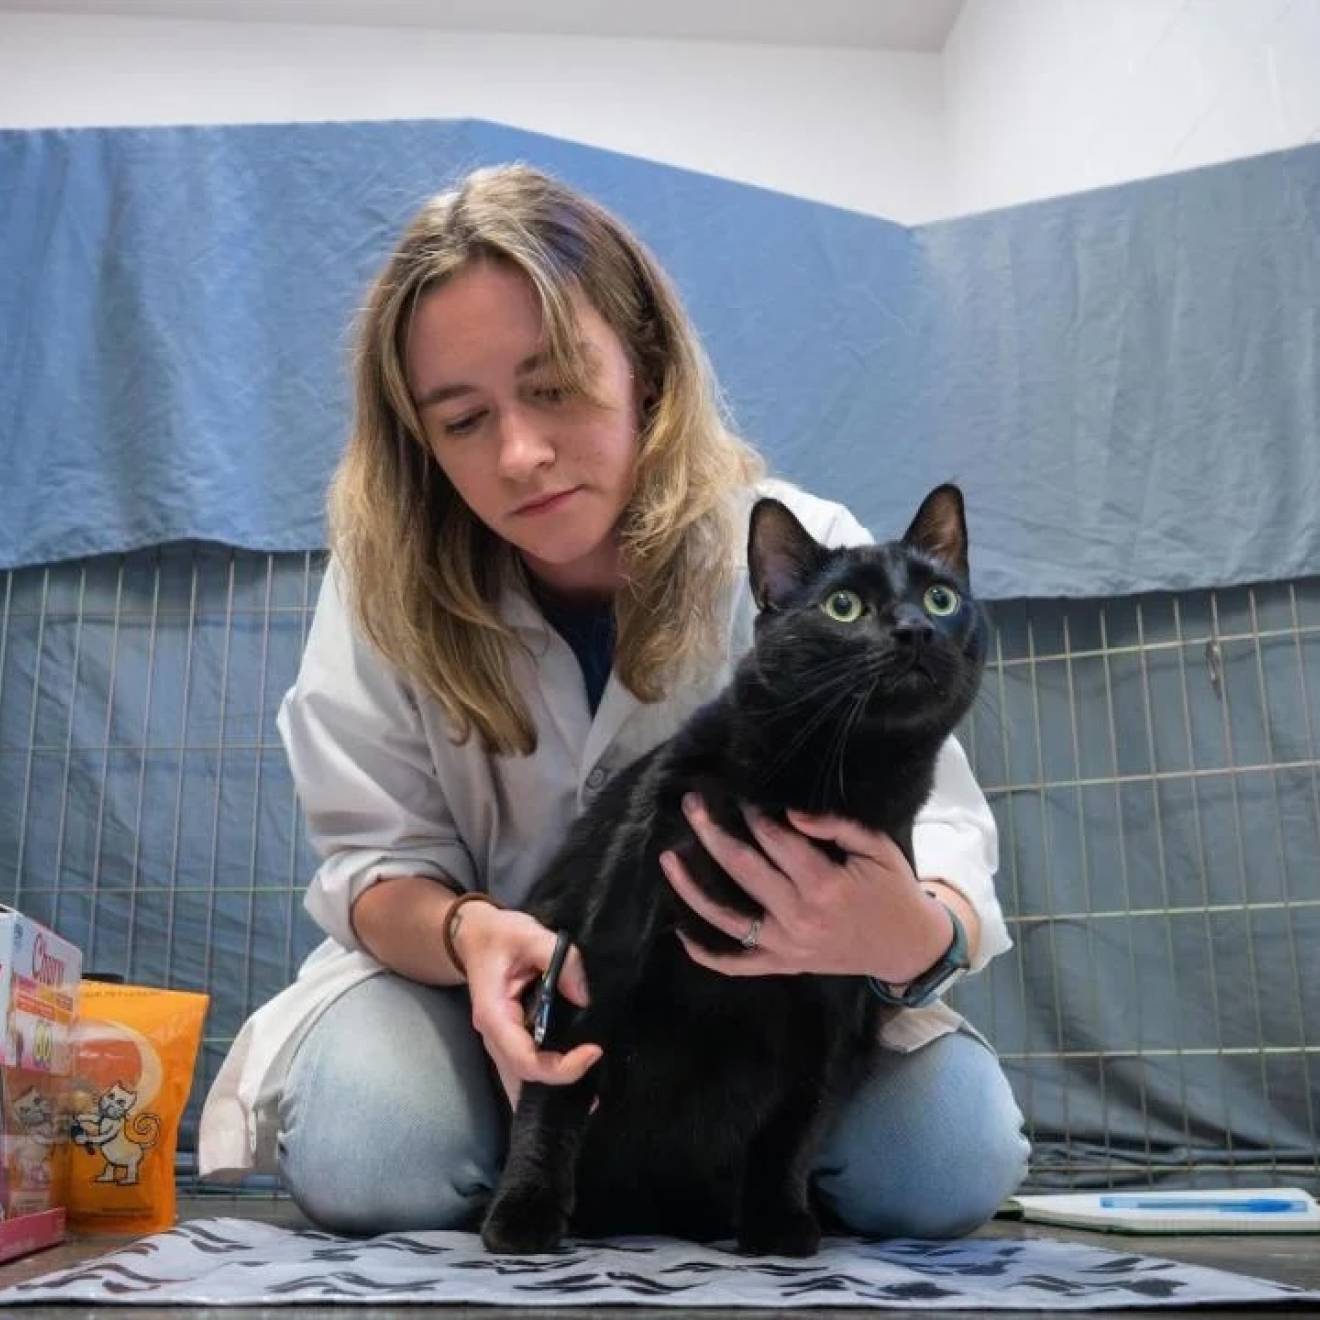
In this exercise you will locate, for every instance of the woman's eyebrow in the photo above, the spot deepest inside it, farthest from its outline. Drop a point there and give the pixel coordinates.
(441, 393)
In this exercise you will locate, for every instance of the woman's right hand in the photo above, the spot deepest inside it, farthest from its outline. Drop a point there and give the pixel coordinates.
(504, 952)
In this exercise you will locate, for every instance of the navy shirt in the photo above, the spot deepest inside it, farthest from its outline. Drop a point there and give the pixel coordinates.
(589, 631)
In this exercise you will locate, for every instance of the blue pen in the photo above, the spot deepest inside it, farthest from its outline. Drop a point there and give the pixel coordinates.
(1252, 1205)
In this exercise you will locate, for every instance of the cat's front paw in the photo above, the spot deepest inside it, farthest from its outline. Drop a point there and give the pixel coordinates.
(782, 1233)
(523, 1223)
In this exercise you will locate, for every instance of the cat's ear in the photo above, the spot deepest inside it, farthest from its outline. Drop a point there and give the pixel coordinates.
(940, 528)
(781, 554)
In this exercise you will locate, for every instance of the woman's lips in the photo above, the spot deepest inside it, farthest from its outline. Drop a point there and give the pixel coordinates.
(546, 503)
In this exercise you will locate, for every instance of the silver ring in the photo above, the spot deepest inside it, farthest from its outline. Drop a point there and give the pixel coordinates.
(753, 936)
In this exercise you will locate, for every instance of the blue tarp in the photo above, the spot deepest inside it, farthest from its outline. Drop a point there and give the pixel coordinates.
(1125, 381)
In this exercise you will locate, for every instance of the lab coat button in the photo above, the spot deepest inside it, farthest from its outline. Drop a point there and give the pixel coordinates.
(596, 779)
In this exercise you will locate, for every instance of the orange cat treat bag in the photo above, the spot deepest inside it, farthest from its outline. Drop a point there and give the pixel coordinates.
(136, 1046)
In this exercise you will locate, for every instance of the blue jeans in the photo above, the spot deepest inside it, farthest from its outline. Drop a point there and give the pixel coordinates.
(389, 1120)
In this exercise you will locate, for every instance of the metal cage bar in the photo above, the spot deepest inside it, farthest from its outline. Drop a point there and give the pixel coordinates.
(1151, 763)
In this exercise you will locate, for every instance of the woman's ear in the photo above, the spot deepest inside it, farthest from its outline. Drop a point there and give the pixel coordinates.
(645, 390)
(648, 399)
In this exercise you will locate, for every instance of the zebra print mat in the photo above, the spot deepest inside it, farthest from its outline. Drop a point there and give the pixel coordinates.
(232, 1262)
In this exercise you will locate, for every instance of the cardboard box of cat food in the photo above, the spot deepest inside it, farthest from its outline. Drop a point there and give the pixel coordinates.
(39, 976)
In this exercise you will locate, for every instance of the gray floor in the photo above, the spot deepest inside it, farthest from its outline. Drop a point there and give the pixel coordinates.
(1284, 1258)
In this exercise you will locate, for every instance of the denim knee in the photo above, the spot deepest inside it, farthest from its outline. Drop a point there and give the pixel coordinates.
(929, 1145)
(388, 1119)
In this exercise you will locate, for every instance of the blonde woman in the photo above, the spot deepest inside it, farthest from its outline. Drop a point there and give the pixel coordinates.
(538, 572)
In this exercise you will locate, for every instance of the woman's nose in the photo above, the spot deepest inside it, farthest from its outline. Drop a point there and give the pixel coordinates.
(524, 445)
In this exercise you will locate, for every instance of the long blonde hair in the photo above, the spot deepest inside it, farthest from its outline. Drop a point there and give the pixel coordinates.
(424, 573)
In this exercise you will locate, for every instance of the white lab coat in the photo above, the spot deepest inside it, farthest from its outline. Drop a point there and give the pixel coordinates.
(387, 792)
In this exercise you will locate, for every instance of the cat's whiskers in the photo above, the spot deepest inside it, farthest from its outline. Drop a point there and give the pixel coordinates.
(856, 670)
(808, 729)
(830, 665)
(846, 730)
(840, 670)
(826, 762)
(863, 700)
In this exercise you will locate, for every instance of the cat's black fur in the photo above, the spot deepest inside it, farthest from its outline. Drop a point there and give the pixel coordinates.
(714, 1090)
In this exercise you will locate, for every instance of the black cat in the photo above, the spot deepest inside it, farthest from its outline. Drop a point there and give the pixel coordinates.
(714, 1090)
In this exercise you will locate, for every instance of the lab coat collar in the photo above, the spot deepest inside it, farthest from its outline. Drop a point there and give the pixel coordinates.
(617, 704)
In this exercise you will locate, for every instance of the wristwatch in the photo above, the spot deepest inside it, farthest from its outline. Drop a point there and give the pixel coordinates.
(930, 985)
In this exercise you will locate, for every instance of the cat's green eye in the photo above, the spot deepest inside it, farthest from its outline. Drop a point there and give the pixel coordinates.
(940, 601)
(843, 606)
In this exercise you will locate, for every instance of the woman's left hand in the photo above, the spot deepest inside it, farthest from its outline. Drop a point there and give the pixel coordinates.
(864, 916)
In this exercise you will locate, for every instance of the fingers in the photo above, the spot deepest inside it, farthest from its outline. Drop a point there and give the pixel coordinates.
(510, 1083)
(759, 961)
(509, 1042)
(573, 977)
(743, 863)
(734, 924)
(797, 858)
(551, 1067)
(576, 1063)
(756, 962)
(572, 982)
(850, 836)
(497, 989)
(512, 1086)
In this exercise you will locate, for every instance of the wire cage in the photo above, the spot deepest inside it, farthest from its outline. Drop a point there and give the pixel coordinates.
(1151, 762)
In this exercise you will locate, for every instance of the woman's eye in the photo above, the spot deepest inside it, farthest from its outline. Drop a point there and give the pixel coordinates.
(551, 393)
(940, 601)
(843, 606)
(462, 425)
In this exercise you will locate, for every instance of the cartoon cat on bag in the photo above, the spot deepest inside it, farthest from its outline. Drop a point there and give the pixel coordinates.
(120, 1137)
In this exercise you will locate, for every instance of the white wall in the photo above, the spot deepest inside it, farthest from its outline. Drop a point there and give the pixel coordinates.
(1031, 98)
(1053, 96)
(860, 129)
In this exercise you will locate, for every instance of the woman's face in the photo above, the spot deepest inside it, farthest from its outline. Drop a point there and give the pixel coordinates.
(548, 472)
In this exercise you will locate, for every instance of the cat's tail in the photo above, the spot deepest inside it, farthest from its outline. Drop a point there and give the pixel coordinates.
(145, 1130)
